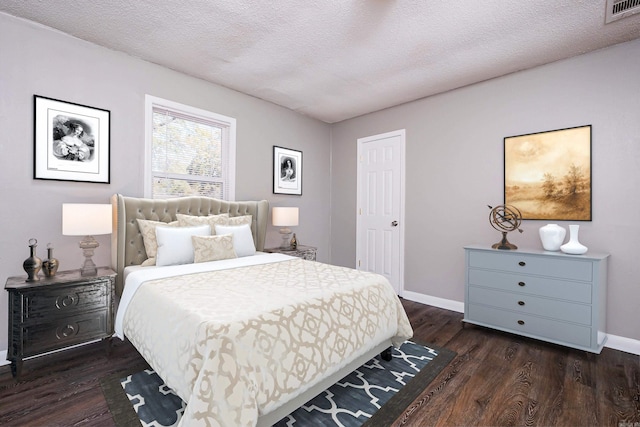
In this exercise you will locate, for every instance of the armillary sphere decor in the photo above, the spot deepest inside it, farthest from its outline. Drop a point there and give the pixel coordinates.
(505, 218)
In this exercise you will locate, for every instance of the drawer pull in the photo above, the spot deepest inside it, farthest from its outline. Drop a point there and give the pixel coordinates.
(520, 322)
(522, 263)
(520, 283)
(520, 302)
(66, 331)
(66, 301)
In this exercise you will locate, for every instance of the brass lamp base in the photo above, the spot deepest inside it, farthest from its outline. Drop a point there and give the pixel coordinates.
(504, 243)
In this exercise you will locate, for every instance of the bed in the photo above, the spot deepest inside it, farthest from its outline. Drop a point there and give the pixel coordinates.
(243, 340)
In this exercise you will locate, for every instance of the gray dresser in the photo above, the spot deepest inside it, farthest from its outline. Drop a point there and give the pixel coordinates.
(550, 296)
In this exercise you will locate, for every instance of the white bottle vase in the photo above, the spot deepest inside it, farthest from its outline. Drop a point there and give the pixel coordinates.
(552, 237)
(573, 246)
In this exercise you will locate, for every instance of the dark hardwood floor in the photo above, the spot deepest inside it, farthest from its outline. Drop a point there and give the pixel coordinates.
(497, 379)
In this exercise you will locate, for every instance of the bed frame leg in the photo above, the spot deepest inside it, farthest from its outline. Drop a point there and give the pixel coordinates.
(386, 355)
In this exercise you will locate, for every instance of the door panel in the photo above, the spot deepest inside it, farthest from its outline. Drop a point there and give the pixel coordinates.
(380, 228)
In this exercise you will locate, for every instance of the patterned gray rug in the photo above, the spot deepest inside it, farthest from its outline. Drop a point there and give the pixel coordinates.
(373, 395)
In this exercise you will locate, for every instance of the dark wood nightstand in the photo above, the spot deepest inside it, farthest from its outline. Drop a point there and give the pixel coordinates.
(304, 252)
(58, 312)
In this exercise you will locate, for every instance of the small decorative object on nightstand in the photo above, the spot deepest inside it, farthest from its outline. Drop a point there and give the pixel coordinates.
(304, 252)
(58, 312)
(50, 265)
(33, 264)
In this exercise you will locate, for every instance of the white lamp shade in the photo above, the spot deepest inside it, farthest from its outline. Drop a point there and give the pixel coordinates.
(80, 219)
(284, 217)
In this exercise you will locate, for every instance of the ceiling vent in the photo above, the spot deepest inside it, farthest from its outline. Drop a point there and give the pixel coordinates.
(618, 9)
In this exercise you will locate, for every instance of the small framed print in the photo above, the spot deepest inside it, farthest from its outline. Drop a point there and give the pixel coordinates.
(287, 171)
(71, 141)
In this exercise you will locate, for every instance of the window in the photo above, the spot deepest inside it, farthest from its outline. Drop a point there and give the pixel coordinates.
(190, 152)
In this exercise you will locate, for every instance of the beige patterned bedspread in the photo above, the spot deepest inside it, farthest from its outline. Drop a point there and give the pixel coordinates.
(235, 344)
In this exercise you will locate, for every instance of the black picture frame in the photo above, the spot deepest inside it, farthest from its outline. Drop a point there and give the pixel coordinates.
(547, 175)
(71, 141)
(287, 171)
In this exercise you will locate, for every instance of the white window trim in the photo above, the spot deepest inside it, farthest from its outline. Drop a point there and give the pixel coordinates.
(229, 122)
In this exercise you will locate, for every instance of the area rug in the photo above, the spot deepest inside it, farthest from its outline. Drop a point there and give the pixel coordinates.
(375, 394)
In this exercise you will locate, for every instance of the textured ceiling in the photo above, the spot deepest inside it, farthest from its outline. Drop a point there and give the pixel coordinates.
(338, 59)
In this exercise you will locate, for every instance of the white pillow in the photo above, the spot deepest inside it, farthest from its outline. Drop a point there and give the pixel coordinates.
(148, 231)
(174, 244)
(242, 238)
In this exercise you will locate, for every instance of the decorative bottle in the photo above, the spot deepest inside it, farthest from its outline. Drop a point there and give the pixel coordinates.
(573, 246)
(552, 237)
(50, 265)
(294, 242)
(33, 264)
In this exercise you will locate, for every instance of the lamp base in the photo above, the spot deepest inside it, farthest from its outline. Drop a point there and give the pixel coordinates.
(88, 245)
(286, 238)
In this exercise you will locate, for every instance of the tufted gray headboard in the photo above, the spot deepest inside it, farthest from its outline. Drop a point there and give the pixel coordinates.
(127, 247)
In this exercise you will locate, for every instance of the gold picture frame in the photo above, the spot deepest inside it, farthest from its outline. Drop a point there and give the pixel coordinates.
(547, 175)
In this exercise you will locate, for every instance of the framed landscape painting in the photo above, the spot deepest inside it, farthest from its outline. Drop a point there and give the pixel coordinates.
(287, 171)
(71, 141)
(547, 175)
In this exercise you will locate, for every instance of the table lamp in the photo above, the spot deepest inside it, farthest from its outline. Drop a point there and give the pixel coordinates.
(79, 219)
(285, 217)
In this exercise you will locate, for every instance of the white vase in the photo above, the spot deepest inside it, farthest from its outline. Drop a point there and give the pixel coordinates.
(573, 246)
(552, 236)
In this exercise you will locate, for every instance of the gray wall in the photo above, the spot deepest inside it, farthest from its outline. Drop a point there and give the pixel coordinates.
(37, 60)
(454, 170)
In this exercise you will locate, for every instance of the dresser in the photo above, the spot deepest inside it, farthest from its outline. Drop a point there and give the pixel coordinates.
(550, 296)
(304, 252)
(58, 312)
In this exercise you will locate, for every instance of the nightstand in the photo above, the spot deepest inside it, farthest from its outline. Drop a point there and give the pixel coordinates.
(304, 252)
(57, 312)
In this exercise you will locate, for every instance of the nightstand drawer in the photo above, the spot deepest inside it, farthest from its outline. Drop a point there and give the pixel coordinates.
(560, 268)
(64, 332)
(543, 307)
(533, 326)
(60, 301)
(533, 285)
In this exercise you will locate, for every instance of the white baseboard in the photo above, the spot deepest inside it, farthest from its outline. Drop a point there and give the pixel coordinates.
(628, 345)
(447, 304)
(3, 358)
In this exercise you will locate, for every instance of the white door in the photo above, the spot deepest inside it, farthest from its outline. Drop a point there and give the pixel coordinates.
(380, 223)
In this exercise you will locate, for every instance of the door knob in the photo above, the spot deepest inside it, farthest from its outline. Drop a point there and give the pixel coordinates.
(394, 224)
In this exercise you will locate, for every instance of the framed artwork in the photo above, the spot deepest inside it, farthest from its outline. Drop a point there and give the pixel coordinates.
(547, 175)
(287, 171)
(71, 141)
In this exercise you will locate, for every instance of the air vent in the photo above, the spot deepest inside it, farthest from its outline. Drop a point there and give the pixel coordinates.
(618, 9)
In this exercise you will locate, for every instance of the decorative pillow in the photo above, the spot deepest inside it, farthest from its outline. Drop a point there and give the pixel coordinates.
(213, 248)
(211, 220)
(239, 220)
(242, 238)
(174, 244)
(148, 231)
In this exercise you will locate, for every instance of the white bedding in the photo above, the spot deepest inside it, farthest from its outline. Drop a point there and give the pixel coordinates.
(238, 341)
(135, 275)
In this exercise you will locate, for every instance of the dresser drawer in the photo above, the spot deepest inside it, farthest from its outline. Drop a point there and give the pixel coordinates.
(552, 266)
(543, 307)
(64, 332)
(534, 326)
(61, 301)
(532, 285)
